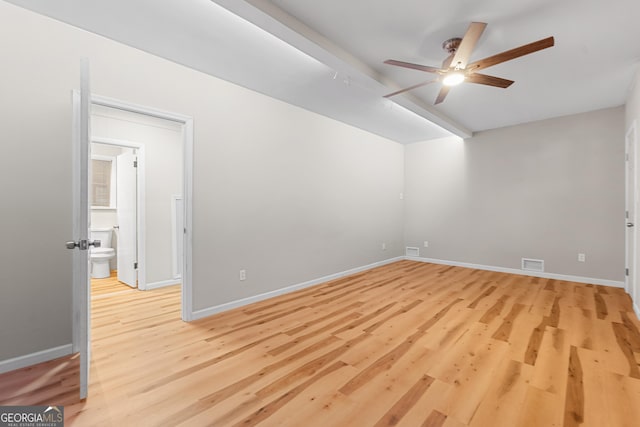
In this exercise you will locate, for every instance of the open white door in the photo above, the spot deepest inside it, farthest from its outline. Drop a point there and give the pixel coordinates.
(126, 196)
(81, 224)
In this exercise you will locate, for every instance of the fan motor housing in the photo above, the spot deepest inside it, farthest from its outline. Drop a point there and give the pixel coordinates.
(451, 45)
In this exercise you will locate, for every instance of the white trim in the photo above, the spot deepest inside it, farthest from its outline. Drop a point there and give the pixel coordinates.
(162, 284)
(140, 109)
(141, 173)
(187, 136)
(579, 279)
(174, 235)
(187, 259)
(35, 358)
(116, 142)
(205, 312)
(637, 310)
(631, 184)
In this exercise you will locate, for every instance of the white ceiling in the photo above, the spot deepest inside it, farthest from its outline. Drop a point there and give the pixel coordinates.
(341, 72)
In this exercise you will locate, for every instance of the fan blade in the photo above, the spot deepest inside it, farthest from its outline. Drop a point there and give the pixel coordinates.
(409, 88)
(467, 44)
(484, 79)
(443, 94)
(426, 68)
(447, 62)
(511, 54)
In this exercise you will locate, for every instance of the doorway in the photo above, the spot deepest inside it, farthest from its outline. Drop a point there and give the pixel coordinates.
(163, 144)
(117, 194)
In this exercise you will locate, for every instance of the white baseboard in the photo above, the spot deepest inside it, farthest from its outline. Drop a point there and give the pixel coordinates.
(637, 310)
(579, 279)
(162, 284)
(33, 358)
(205, 312)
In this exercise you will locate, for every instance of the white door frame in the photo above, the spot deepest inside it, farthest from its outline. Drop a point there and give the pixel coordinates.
(81, 316)
(175, 262)
(631, 281)
(140, 201)
(187, 138)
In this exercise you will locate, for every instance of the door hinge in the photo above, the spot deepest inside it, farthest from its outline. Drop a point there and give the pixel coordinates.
(626, 271)
(135, 265)
(626, 157)
(135, 163)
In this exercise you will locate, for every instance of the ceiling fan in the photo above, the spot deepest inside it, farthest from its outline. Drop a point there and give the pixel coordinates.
(456, 69)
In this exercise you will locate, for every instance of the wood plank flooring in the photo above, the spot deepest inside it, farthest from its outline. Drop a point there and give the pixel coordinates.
(108, 286)
(407, 344)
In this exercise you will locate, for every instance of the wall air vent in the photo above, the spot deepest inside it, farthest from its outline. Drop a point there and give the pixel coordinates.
(409, 251)
(529, 264)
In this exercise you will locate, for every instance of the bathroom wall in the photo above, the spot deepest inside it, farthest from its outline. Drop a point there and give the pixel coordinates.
(101, 217)
(162, 140)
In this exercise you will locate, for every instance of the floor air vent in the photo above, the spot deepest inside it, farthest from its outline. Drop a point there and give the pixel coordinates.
(409, 251)
(533, 264)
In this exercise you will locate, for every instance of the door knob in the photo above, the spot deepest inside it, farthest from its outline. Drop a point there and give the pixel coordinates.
(82, 244)
(629, 224)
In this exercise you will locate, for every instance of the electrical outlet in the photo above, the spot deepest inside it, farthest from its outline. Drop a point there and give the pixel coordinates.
(384, 246)
(243, 274)
(581, 258)
(426, 244)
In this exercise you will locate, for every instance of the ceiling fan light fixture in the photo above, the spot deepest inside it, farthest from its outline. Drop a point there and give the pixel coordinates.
(456, 68)
(453, 78)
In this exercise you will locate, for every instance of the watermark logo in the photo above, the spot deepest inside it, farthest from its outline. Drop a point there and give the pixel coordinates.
(31, 416)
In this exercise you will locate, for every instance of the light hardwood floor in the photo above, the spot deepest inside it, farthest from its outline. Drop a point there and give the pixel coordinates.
(407, 344)
(101, 288)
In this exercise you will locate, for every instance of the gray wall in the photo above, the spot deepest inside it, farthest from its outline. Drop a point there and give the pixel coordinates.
(292, 197)
(546, 190)
(284, 193)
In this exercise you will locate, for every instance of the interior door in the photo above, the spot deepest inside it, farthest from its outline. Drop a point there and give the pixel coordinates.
(81, 223)
(126, 204)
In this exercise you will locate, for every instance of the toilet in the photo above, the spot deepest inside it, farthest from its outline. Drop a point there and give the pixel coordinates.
(101, 256)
